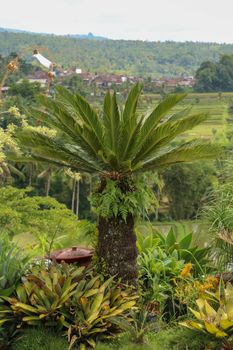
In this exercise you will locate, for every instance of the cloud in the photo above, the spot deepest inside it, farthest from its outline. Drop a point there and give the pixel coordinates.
(199, 20)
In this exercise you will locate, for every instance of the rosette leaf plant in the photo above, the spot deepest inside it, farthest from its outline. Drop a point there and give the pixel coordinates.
(115, 145)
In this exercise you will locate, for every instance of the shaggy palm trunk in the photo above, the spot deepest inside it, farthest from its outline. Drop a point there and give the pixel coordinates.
(117, 248)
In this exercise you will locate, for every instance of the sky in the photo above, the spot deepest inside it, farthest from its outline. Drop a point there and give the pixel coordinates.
(153, 20)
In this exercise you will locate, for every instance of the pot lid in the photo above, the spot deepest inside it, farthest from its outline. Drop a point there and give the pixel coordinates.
(71, 253)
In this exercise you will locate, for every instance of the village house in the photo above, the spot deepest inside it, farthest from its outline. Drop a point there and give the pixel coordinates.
(38, 77)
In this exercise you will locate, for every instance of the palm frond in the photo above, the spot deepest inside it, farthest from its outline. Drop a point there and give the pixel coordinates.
(75, 103)
(69, 124)
(129, 113)
(111, 120)
(129, 120)
(50, 149)
(156, 116)
(186, 153)
(112, 141)
(166, 132)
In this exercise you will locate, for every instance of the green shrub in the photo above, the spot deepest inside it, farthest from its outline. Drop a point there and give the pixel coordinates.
(12, 265)
(161, 260)
(38, 224)
(171, 244)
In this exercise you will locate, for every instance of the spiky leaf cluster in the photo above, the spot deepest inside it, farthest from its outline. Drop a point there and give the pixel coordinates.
(119, 141)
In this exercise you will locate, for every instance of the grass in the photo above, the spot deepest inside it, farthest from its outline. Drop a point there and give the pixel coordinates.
(176, 338)
(40, 339)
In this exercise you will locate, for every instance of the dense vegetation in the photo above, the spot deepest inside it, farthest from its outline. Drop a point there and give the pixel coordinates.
(138, 58)
(107, 163)
(215, 76)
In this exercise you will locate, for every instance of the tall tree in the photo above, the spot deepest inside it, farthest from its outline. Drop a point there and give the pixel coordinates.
(217, 76)
(116, 145)
(187, 186)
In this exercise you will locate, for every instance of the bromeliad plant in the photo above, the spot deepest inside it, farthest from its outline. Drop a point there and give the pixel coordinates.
(68, 299)
(93, 308)
(42, 296)
(214, 314)
(115, 145)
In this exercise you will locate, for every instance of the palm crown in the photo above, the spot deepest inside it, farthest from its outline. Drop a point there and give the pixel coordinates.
(113, 141)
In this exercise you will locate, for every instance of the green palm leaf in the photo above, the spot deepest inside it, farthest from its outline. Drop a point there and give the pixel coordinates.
(166, 132)
(111, 119)
(186, 153)
(113, 141)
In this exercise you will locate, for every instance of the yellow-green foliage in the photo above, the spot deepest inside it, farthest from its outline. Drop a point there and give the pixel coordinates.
(214, 314)
(70, 299)
(6, 141)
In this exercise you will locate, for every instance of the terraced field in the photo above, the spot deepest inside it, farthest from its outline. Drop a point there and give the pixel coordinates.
(215, 105)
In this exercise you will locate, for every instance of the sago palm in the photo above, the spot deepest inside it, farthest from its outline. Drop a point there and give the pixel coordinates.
(116, 145)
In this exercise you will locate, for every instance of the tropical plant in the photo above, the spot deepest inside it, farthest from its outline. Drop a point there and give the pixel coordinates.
(157, 269)
(186, 250)
(182, 245)
(68, 299)
(115, 145)
(43, 294)
(166, 267)
(12, 266)
(218, 213)
(138, 326)
(93, 307)
(214, 314)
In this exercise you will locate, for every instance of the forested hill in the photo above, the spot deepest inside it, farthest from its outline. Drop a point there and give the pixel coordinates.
(120, 56)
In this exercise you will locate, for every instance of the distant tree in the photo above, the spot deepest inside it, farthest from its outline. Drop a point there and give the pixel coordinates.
(25, 89)
(44, 220)
(76, 84)
(186, 186)
(206, 77)
(215, 76)
(122, 56)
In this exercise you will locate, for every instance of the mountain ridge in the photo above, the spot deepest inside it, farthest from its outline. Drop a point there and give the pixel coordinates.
(132, 57)
(90, 35)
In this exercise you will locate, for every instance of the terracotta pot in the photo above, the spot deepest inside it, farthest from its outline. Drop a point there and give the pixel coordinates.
(81, 256)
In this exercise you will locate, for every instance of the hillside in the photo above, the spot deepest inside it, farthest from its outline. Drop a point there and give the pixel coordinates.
(120, 56)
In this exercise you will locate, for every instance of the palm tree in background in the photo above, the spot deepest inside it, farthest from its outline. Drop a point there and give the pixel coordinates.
(115, 145)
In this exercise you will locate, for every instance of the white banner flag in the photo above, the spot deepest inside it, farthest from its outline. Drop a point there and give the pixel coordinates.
(44, 61)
